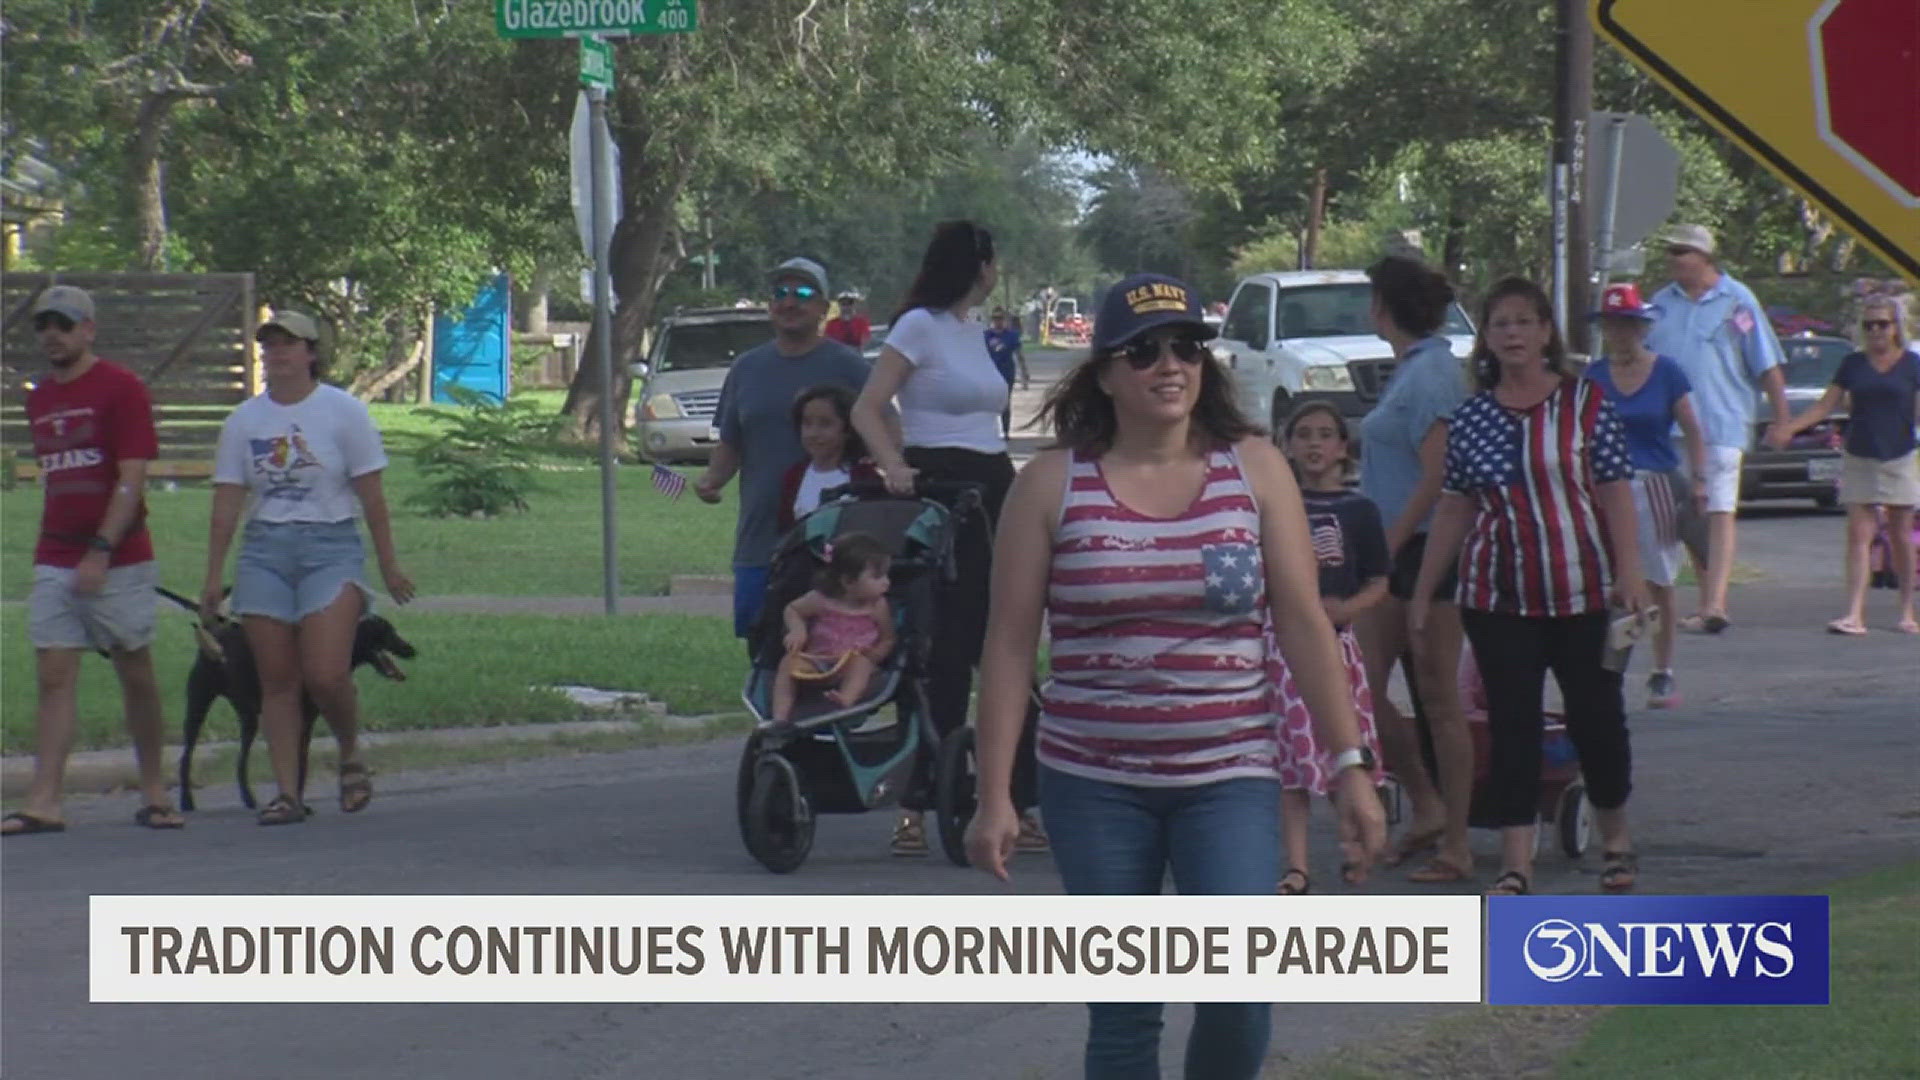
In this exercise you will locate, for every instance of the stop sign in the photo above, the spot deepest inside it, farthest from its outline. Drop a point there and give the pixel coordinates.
(1866, 63)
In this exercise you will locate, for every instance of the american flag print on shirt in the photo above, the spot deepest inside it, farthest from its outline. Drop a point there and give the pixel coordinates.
(1158, 657)
(1537, 545)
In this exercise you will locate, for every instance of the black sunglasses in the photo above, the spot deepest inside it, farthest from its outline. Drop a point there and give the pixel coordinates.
(54, 318)
(1877, 324)
(1143, 353)
(798, 292)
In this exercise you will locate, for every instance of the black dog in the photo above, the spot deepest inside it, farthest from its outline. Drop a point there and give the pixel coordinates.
(232, 675)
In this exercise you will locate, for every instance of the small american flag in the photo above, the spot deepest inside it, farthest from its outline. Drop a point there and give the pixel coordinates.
(1743, 320)
(669, 483)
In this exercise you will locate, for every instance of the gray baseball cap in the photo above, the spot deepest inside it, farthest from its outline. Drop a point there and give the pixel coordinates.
(805, 268)
(68, 300)
(1689, 236)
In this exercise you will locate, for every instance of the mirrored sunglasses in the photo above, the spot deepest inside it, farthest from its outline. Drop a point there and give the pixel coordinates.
(1143, 353)
(797, 292)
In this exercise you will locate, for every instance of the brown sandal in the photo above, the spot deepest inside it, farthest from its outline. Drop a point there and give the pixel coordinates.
(1622, 872)
(282, 811)
(1511, 883)
(356, 787)
(1287, 888)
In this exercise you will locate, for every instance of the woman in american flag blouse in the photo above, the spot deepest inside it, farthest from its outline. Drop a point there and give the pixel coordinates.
(1537, 507)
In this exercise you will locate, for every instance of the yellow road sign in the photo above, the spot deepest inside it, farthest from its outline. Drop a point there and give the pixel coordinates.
(1826, 93)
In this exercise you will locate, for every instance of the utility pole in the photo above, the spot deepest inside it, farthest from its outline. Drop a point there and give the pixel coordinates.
(1316, 212)
(1572, 108)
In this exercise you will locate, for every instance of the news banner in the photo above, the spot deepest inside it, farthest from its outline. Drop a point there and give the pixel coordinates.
(1535, 950)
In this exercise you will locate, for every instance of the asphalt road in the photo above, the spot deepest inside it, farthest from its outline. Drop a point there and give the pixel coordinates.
(1792, 763)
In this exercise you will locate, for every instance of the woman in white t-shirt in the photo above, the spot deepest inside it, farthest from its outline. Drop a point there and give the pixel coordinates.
(302, 459)
(935, 364)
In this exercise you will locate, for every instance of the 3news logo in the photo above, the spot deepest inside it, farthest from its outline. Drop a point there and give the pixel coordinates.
(1657, 950)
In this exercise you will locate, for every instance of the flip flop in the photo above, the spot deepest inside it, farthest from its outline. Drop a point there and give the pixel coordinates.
(159, 817)
(1439, 871)
(1413, 844)
(1287, 888)
(30, 824)
(1907, 626)
(1847, 627)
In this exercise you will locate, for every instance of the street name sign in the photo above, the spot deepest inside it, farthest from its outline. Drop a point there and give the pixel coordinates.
(608, 18)
(1825, 93)
(596, 63)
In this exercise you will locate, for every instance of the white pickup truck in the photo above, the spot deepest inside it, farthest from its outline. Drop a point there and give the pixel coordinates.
(1309, 334)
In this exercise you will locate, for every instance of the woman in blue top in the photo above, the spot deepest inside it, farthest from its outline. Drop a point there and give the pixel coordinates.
(1882, 466)
(1651, 393)
(1402, 460)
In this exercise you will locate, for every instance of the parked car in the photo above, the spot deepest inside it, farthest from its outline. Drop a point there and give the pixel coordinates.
(875, 340)
(1309, 334)
(679, 388)
(1810, 467)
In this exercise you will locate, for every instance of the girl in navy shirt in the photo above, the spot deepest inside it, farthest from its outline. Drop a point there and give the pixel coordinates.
(1351, 546)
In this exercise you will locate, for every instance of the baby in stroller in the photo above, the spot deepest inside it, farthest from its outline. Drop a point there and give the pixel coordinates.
(840, 631)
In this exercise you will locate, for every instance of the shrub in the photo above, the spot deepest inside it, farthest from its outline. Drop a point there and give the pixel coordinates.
(482, 461)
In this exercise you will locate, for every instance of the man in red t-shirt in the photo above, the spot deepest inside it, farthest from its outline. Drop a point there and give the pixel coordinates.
(93, 571)
(850, 328)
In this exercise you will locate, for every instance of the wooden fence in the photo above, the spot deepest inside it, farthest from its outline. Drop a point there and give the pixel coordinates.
(190, 336)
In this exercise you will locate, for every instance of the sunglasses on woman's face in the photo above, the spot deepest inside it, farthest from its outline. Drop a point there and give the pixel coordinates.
(798, 292)
(1145, 352)
(1877, 324)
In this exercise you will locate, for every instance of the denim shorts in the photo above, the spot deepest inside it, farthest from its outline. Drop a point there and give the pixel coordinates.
(289, 570)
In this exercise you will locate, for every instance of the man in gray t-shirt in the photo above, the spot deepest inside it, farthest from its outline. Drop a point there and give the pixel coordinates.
(755, 418)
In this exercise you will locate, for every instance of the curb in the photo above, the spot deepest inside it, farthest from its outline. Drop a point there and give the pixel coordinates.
(94, 772)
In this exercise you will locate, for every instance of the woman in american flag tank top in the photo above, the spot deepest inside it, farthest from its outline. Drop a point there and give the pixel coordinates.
(1159, 539)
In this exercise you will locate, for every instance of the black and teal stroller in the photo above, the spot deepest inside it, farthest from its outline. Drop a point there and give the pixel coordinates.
(834, 760)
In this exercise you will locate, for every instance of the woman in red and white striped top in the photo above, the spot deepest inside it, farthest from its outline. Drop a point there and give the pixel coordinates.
(1159, 539)
(1538, 490)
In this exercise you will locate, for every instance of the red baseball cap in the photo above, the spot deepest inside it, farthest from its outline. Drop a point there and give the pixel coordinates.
(1623, 301)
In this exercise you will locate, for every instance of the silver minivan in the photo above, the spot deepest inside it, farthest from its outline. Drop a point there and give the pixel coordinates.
(679, 383)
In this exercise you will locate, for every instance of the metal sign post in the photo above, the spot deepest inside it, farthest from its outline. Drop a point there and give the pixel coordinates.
(1609, 206)
(603, 341)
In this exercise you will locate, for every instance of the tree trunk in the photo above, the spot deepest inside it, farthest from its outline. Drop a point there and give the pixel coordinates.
(148, 180)
(640, 263)
(1316, 212)
(532, 302)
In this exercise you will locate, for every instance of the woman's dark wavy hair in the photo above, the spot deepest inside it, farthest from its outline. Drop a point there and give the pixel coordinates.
(950, 267)
(1415, 295)
(1083, 419)
(1486, 366)
(842, 400)
(852, 554)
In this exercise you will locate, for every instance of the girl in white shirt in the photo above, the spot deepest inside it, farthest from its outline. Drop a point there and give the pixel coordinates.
(950, 395)
(310, 458)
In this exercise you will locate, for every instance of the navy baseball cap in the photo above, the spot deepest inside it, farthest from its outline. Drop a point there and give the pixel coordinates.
(1144, 301)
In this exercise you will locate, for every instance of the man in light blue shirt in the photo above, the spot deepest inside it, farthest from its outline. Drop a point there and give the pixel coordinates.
(1718, 332)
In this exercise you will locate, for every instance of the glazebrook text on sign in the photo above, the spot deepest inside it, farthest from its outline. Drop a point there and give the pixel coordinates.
(1657, 950)
(612, 18)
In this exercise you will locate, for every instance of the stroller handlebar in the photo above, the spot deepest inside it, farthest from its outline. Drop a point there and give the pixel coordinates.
(945, 492)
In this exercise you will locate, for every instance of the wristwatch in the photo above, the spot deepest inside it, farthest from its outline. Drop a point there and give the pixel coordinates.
(100, 543)
(1347, 759)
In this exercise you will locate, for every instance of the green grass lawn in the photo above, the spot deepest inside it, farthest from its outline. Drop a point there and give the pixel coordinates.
(1869, 1030)
(551, 550)
(472, 670)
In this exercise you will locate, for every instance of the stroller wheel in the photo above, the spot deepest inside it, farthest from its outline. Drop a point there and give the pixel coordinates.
(954, 787)
(743, 786)
(779, 820)
(1574, 820)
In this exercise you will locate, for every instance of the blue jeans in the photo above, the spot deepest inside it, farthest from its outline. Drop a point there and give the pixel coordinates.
(749, 596)
(1220, 839)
